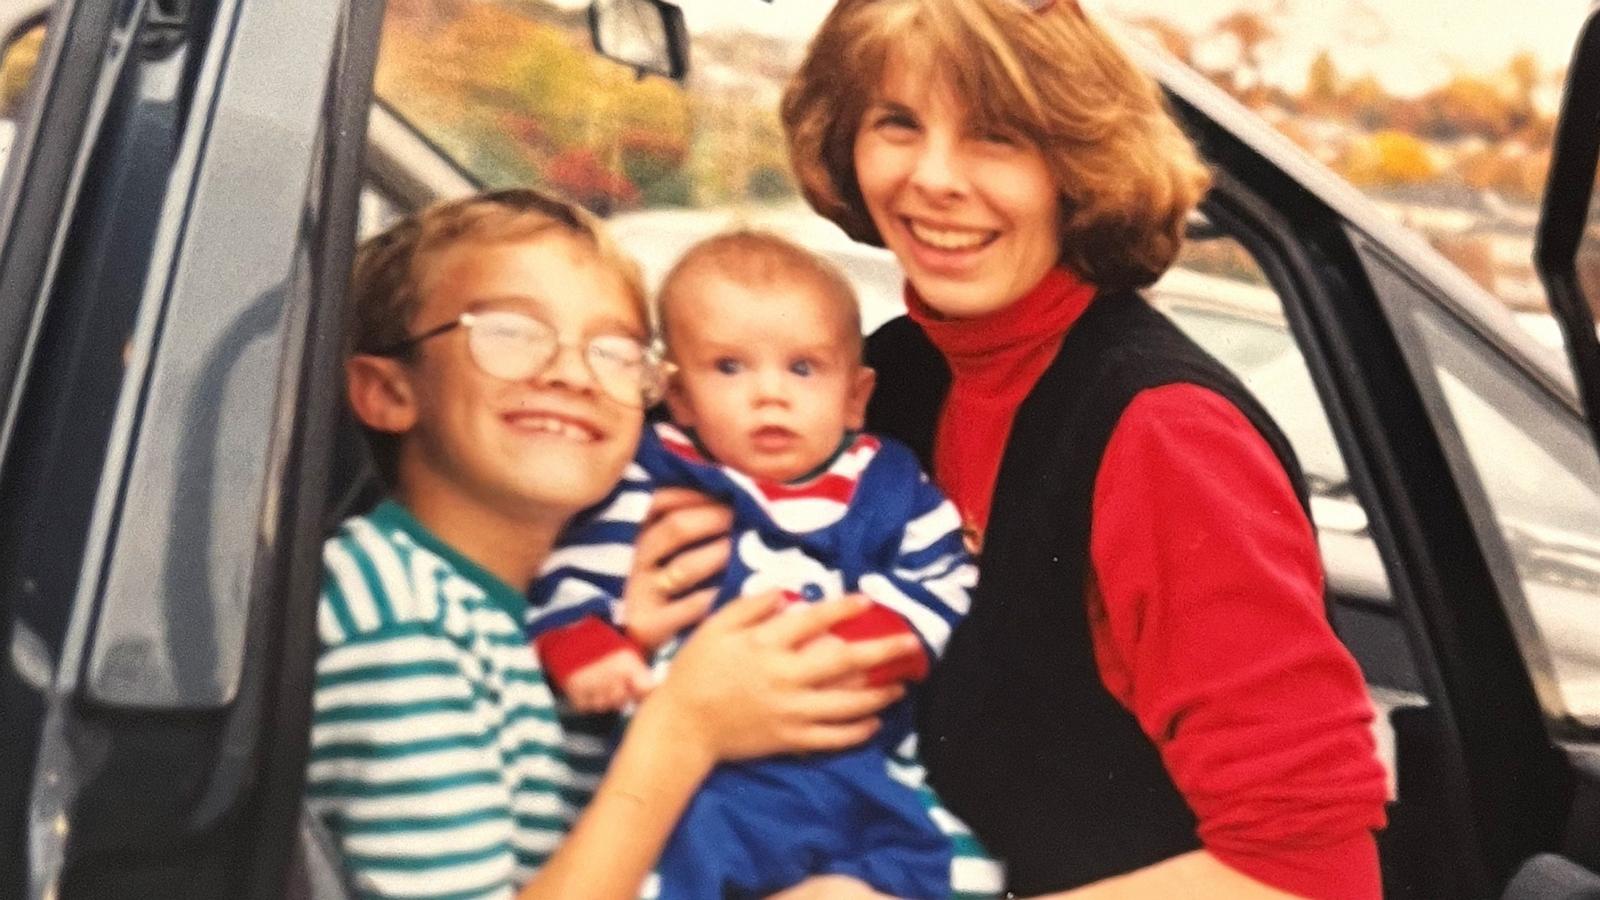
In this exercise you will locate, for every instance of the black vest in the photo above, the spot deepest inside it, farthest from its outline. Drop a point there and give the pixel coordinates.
(1019, 734)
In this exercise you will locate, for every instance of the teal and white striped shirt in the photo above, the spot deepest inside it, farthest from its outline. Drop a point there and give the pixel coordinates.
(437, 760)
(436, 757)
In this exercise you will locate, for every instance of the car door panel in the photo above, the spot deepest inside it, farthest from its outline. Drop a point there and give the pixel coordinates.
(213, 358)
(174, 442)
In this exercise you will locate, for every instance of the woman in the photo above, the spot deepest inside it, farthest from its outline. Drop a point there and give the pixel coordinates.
(1147, 697)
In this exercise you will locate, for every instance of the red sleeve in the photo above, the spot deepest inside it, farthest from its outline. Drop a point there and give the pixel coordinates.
(1214, 634)
(571, 647)
(881, 621)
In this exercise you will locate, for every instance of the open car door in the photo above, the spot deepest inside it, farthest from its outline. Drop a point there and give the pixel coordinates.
(176, 220)
(1567, 256)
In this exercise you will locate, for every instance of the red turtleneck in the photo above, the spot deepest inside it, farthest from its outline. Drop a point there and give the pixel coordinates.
(1195, 529)
(994, 362)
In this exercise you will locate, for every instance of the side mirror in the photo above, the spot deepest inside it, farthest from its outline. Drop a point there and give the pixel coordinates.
(1567, 244)
(648, 35)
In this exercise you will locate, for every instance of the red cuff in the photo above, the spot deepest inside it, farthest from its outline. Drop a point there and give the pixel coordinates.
(571, 647)
(880, 621)
(1343, 871)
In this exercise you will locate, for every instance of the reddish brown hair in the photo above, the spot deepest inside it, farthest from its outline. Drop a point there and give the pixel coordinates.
(1128, 175)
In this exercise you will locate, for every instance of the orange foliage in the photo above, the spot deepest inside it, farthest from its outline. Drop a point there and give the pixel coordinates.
(1387, 158)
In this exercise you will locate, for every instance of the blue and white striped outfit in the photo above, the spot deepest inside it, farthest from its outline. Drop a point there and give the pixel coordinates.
(870, 521)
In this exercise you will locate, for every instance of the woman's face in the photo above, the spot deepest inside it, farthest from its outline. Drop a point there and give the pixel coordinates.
(973, 218)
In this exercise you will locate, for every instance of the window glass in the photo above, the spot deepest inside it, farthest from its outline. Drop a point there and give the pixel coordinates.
(516, 94)
(375, 212)
(1588, 261)
(1542, 481)
(19, 60)
(1440, 111)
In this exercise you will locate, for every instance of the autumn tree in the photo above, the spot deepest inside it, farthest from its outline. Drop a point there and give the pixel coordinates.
(17, 67)
(1322, 84)
(1172, 38)
(1386, 158)
(1366, 102)
(1253, 32)
(1469, 105)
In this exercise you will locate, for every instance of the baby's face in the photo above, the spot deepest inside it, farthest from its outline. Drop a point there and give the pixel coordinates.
(769, 377)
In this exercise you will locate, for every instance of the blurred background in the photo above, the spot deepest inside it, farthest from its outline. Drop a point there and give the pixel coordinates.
(1440, 111)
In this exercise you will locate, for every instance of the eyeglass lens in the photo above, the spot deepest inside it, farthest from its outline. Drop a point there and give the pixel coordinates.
(514, 346)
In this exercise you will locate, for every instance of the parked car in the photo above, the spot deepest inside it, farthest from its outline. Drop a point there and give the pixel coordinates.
(177, 212)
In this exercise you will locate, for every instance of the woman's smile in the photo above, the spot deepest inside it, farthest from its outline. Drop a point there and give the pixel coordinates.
(949, 238)
(944, 251)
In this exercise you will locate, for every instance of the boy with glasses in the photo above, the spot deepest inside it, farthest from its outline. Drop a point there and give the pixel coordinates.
(497, 405)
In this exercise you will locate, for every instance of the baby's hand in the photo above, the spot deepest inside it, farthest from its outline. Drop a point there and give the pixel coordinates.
(609, 683)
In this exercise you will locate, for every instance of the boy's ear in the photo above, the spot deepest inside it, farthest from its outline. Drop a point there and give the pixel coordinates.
(380, 393)
(861, 387)
(678, 405)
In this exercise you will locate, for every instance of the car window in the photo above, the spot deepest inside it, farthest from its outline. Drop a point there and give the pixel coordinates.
(1443, 122)
(516, 95)
(377, 211)
(1541, 479)
(19, 61)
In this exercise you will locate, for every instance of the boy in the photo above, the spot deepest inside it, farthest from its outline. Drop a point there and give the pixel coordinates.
(770, 393)
(434, 758)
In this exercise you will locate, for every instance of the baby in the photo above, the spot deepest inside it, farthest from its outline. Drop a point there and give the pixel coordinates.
(768, 399)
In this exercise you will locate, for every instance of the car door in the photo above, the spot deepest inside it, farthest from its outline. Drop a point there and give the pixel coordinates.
(176, 218)
(1567, 258)
(1470, 459)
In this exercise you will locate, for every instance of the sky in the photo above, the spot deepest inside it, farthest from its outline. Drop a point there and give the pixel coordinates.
(1409, 45)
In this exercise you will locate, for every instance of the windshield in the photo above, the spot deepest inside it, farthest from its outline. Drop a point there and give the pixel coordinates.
(1445, 123)
(1447, 130)
(515, 93)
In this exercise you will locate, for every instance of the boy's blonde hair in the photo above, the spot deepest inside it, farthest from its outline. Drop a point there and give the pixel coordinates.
(391, 266)
(757, 259)
(1128, 175)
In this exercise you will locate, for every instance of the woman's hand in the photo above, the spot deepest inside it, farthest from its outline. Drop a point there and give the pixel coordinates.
(760, 677)
(682, 543)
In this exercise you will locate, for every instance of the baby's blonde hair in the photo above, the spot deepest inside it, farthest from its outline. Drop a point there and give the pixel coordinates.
(757, 259)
